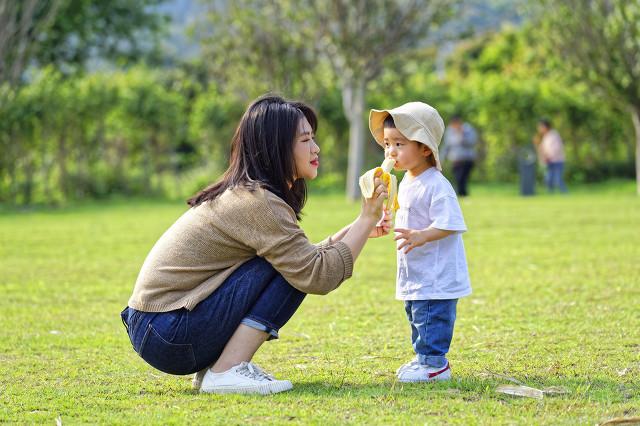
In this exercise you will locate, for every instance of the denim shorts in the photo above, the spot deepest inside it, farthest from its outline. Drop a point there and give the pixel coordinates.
(183, 341)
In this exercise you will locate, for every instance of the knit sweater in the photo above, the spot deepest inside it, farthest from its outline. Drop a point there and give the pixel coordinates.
(210, 241)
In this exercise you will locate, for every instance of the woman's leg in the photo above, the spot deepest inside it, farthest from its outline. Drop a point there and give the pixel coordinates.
(272, 310)
(248, 309)
(244, 343)
(183, 342)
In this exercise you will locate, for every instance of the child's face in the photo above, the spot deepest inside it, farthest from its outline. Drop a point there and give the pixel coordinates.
(409, 155)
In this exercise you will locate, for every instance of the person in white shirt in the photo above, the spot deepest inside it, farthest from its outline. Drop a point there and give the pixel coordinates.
(432, 269)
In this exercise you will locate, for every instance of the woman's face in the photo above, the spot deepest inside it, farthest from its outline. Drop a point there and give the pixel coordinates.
(305, 152)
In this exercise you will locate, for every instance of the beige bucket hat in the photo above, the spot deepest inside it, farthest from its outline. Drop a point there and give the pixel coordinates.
(417, 121)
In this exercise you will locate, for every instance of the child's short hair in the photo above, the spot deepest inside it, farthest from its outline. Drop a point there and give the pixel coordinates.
(389, 123)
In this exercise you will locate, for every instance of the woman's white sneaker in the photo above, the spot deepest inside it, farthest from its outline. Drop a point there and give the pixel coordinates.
(197, 378)
(244, 378)
(422, 373)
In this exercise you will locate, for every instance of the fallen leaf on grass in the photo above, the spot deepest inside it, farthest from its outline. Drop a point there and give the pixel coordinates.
(622, 421)
(556, 390)
(525, 391)
(623, 372)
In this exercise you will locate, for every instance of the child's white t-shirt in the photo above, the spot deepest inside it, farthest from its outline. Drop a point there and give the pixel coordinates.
(438, 269)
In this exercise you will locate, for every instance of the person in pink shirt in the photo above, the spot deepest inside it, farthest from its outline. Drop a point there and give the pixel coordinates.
(551, 151)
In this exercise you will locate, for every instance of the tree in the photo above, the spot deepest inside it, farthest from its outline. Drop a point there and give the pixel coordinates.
(290, 39)
(67, 33)
(21, 25)
(600, 41)
(357, 37)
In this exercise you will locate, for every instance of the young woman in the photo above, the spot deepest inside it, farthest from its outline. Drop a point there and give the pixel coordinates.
(233, 269)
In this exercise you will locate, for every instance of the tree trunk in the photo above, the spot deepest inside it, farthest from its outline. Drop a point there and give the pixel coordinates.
(353, 101)
(635, 116)
(27, 187)
(62, 165)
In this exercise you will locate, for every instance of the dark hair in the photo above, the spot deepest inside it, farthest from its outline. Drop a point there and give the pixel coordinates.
(389, 123)
(262, 152)
(545, 122)
(456, 117)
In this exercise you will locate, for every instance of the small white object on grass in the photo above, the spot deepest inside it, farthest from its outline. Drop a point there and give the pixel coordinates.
(524, 391)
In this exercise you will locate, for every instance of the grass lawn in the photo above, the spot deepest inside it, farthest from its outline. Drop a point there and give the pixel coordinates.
(556, 302)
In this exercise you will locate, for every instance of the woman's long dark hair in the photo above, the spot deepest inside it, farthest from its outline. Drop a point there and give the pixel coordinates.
(262, 152)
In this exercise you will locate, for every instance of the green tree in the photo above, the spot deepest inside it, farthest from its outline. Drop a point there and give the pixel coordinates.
(22, 23)
(600, 41)
(67, 33)
(291, 45)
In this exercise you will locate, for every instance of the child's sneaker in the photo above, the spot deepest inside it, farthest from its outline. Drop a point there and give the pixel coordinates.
(423, 373)
(409, 364)
(244, 378)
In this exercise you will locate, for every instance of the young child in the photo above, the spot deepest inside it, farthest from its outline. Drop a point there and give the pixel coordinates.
(432, 268)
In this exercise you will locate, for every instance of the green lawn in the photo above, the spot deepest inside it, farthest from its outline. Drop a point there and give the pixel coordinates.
(556, 302)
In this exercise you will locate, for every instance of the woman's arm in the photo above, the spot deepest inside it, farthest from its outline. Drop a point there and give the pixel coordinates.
(381, 229)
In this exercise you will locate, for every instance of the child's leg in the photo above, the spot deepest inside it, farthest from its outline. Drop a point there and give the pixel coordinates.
(432, 323)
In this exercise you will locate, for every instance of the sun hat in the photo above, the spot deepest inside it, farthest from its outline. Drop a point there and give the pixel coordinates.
(417, 121)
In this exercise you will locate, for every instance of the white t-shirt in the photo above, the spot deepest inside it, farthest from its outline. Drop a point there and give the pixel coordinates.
(438, 269)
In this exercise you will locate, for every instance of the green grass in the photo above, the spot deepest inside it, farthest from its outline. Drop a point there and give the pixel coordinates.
(556, 295)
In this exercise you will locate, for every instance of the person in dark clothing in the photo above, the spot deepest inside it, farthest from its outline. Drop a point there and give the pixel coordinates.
(460, 141)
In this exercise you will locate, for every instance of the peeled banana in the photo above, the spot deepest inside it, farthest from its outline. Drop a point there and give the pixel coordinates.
(367, 185)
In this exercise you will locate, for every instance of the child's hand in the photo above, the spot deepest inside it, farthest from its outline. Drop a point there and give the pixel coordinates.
(412, 238)
(383, 226)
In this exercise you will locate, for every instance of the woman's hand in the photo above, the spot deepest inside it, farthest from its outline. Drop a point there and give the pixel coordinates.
(362, 227)
(372, 207)
(383, 226)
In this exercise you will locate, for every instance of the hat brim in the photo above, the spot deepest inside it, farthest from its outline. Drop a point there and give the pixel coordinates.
(376, 124)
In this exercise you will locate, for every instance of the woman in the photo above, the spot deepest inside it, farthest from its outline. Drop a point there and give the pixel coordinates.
(232, 270)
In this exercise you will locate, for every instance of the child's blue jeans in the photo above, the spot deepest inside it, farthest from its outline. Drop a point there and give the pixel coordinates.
(183, 342)
(432, 324)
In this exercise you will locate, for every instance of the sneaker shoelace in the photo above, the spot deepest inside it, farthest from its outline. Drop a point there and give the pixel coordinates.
(410, 365)
(254, 372)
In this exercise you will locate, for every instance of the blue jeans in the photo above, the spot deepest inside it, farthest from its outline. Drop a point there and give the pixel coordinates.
(432, 324)
(183, 341)
(553, 178)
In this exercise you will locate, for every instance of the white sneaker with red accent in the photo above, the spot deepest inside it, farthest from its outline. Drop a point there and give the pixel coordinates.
(243, 378)
(415, 372)
(409, 364)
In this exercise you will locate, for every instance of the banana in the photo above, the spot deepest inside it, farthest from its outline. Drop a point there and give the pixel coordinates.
(367, 184)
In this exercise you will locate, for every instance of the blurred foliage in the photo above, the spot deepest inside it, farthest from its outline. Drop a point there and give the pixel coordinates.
(150, 131)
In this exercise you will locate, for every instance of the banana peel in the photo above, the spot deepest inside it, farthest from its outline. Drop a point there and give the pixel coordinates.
(367, 185)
